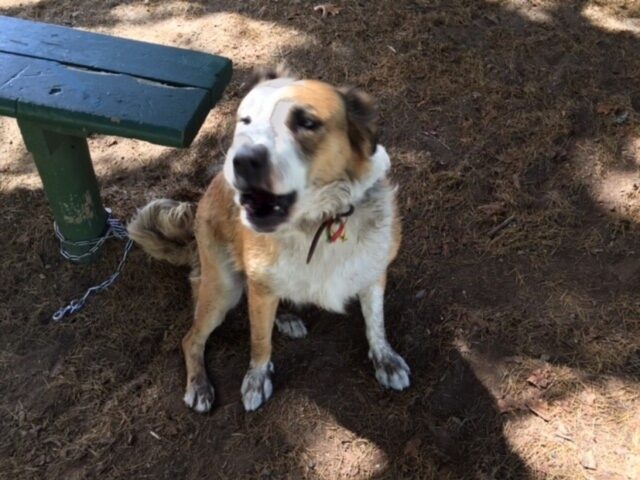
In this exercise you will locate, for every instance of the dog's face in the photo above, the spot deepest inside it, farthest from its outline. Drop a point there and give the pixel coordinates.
(301, 150)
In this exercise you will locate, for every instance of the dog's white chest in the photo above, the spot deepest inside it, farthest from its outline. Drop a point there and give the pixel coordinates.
(337, 271)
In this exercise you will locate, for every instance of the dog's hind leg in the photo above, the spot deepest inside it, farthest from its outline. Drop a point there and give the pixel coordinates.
(391, 369)
(257, 386)
(218, 290)
(291, 325)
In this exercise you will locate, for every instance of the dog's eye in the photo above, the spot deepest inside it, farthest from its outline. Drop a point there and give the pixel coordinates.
(308, 123)
(246, 120)
(301, 120)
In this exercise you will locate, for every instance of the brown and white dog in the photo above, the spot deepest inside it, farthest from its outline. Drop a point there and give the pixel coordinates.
(304, 165)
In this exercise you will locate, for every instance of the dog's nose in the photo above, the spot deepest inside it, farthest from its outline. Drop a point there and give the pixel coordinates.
(251, 166)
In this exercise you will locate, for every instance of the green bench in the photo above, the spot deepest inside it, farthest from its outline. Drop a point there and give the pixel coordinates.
(63, 84)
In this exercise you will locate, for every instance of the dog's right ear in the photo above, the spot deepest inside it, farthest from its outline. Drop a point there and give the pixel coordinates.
(262, 74)
(362, 118)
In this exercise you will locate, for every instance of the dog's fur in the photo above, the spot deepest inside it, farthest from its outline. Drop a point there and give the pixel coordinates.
(321, 144)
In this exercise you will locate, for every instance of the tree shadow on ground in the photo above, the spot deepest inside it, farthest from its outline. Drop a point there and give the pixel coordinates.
(114, 349)
(481, 105)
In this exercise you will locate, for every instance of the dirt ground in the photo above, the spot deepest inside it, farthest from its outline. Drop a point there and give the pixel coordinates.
(514, 130)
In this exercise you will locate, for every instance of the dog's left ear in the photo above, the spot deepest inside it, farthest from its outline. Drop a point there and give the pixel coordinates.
(362, 118)
(262, 74)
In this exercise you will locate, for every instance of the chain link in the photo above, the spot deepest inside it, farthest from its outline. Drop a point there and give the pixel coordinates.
(115, 230)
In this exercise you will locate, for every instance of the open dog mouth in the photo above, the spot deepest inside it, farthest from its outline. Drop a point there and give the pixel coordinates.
(265, 210)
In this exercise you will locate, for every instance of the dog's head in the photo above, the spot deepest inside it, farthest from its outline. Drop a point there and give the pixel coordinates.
(302, 150)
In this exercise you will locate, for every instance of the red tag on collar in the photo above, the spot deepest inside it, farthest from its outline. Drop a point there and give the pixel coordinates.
(333, 237)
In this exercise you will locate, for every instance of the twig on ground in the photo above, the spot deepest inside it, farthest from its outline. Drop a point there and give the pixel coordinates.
(498, 228)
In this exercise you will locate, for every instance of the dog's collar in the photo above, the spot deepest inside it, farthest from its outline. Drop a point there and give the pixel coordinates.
(340, 220)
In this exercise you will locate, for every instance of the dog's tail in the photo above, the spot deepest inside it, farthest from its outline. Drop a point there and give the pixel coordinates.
(164, 229)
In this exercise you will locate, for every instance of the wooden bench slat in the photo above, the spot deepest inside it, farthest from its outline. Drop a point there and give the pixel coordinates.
(92, 102)
(7, 105)
(164, 64)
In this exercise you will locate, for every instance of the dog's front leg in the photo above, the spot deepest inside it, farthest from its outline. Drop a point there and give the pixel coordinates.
(257, 386)
(391, 369)
(211, 308)
(216, 290)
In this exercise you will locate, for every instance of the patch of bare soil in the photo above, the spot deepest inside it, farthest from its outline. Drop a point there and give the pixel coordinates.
(514, 132)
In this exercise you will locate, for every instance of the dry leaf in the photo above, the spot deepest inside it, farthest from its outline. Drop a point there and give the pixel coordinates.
(541, 408)
(514, 359)
(492, 18)
(541, 378)
(588, 397)
(477, 321)
(626, 270)
(563, 432)
(327, 9)
(57, 368)
(506, 404)
(24, 238)
(495, 208)
(588, 461)
(605, 108)
(412, 448)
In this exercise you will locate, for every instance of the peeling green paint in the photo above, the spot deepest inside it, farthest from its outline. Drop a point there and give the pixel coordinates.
(81, 212)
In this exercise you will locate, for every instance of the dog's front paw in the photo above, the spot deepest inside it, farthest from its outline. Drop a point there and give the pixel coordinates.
(199, 394)
(257, 387)
(391, 369)
(291, 326)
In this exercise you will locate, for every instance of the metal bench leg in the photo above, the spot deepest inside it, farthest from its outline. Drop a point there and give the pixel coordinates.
(70, 184)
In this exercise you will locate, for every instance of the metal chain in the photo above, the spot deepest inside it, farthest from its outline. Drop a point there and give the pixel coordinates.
(115, 230)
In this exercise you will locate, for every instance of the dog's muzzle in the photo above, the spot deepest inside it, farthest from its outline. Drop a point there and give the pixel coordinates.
(251, 168)
(252, 171)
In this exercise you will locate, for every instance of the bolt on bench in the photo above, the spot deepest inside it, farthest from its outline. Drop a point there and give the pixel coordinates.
(63, 84)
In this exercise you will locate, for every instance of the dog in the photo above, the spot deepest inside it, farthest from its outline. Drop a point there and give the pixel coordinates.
(302, 211)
